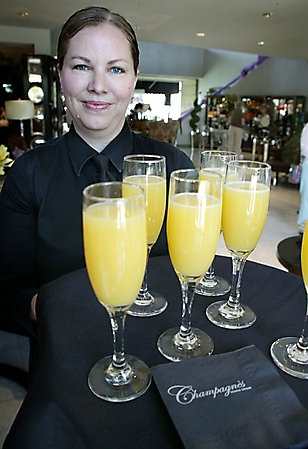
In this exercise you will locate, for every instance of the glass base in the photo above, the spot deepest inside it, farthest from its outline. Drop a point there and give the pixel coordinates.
(284, 350)
(171, 346)
(155, 305)
(131, 388)
(217, 287)
(214, 314)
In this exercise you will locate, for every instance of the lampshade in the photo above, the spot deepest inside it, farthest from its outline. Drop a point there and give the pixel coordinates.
(19, 109)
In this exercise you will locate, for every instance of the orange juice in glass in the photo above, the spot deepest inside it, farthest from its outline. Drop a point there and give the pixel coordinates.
(115, 259)
(155, 199)
(214, 161)
(193, 228)
(115, 249)
(149, 171)
(244, 210)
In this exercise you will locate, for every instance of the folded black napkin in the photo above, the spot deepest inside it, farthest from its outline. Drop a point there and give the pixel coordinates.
(235, 400)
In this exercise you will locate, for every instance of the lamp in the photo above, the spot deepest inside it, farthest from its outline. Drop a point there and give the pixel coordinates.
(19, 110)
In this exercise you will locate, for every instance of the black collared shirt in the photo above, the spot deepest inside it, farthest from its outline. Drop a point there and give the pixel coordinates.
(40, 211)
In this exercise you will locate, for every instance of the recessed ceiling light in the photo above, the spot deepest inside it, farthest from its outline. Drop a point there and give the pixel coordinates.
(268, 14)
(23, 14)
(261, 43)
(200, 34)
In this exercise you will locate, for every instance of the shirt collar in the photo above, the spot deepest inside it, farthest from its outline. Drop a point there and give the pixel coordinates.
(120, 147)
(80, 152)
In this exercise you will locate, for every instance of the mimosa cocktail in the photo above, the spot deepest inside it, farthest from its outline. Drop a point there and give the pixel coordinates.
(148, 171)
(115, 259)
(155, 201)
(291, 353)
(115, 249)
(215, 161)
(245, 205)
(193, 227)
(192, 234)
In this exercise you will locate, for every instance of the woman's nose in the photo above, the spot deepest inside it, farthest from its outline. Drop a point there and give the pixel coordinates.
(98, 83)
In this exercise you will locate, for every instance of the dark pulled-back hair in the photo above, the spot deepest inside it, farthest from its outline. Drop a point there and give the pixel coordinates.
(92, 16)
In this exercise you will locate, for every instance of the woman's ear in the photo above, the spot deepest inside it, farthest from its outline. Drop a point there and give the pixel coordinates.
(60, 79)
(137, 76)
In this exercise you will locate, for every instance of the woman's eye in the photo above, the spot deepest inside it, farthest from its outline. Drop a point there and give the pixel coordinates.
(117, 70)
(80, 67)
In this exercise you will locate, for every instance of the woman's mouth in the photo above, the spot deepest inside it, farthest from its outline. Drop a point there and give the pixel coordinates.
(96, 105)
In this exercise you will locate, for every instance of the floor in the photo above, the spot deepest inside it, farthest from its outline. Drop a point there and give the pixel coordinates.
(281, 223)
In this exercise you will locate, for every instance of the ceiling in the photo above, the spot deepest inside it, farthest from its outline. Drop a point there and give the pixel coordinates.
(233, 25)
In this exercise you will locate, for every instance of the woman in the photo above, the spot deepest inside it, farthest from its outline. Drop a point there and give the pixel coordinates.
(40, 203)
(263, 117)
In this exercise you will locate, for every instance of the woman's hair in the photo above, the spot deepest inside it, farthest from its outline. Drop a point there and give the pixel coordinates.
(92, 16)
(239, 105)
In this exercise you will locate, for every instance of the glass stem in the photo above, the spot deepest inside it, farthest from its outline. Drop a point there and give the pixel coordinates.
(210, 274)
(117, 320)
(209, 279)
(119, 372)
(238, 264)
(303, 340)
(188, 293)
(144, 298)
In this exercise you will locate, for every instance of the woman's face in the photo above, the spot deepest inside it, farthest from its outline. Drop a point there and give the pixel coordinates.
(98, 80)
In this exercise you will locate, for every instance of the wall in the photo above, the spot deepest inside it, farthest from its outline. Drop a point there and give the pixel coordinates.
(188, 96)
(171, 60)
(221, 67)
(276, 76)
(39, 37)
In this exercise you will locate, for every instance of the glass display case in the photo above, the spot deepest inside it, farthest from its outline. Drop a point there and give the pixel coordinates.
(41, 85)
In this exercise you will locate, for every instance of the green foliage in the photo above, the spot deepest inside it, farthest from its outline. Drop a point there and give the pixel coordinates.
(230, 101)
(212, 90)
(194, 116)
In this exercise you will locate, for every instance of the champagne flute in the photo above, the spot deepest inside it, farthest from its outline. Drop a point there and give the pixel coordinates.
(193, 227)
(216, 161)
(115, 248)
(149, 171)
(291, 353)
(244, 210)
